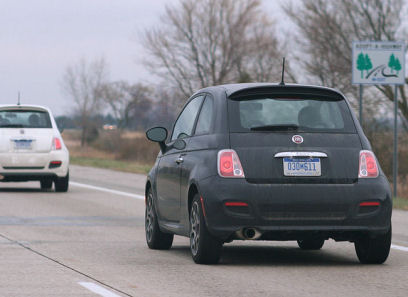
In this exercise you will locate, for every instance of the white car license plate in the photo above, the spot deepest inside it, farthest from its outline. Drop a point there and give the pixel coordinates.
(301, 167)
(23, 144)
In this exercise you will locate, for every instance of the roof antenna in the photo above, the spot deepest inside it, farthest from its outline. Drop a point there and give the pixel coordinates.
(18, 99)
(282, 83)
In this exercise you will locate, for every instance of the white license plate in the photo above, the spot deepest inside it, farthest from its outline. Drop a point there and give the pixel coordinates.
(301, 167)
(23, 144)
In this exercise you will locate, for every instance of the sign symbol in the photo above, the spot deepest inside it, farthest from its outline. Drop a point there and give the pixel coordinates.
(394, 64)
(364, 63)
(297, 139)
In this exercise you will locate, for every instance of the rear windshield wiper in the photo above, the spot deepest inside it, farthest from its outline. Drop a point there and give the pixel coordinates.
(289, 127)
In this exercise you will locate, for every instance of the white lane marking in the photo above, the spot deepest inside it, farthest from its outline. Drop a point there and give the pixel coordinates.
(98, 289)
(135, 196)
(399, 247)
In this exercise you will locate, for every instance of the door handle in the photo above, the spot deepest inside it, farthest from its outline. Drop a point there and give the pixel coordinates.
(179, 160)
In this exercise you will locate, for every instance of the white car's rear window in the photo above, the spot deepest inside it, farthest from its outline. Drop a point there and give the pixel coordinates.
(17, 118)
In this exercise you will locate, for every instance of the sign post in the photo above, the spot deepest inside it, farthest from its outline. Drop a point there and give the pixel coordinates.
(380, 63)
(395, 156)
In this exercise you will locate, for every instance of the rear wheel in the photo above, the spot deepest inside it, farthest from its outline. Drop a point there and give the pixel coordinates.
(205, 249)
(155, 238)
(374, 250)
(311, 244)
(62, 183)
(46, 184)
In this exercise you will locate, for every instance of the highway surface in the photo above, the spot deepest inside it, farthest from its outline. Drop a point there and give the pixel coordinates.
(90, 242)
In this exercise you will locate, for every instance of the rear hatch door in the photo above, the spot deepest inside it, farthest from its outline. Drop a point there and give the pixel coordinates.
(20, 140)
(262, 156)
(303, 129)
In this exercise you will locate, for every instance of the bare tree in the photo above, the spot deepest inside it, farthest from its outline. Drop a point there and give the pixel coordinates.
(328, 28)
(128, 103)
(83, 83)
(210, 42)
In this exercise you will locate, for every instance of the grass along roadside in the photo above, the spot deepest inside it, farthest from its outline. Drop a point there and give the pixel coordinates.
(400, 203)
(125, 166)
(132, 167)
(131, 152)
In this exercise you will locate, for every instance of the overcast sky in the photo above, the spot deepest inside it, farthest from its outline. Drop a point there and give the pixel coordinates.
(40, 38)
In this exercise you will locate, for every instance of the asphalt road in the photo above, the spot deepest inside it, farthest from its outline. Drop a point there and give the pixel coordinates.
(90, 242)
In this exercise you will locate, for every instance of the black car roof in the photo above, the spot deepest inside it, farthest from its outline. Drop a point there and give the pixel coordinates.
(235, 90)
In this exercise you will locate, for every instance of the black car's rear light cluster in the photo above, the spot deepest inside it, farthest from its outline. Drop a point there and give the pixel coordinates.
(367, 207)
(236, 204)
(229, 165)
(237, 208)
(368, 167)
(368, 203)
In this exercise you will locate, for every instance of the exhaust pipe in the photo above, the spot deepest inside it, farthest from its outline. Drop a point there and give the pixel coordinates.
(249, 234)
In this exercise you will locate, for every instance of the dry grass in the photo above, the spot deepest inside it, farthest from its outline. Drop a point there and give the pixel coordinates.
(402, 187)
(134, 149)
(130, 153)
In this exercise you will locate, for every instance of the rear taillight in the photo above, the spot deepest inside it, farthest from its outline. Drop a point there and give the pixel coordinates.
(229, 164)
(368, 165)
(56, 144)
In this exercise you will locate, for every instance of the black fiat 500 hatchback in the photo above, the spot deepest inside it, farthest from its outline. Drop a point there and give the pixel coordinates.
(267, 162)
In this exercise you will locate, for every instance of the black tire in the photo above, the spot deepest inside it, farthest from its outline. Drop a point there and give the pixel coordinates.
(62, 183)
(155, 238)
(46, 184)
(311, 244)
(205, 249)
(374, 250)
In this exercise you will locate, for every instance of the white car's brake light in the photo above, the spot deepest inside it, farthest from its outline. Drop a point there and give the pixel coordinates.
(56, 144)
(368, 167)
(229, 165)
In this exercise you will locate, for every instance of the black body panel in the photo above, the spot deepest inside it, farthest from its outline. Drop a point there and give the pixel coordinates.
(301, 207)
(282, 208)
(257, 150)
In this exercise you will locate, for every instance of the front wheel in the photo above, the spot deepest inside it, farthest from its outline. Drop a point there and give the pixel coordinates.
(374, 250)
(62, 183)
(205, 249)
(311, 244)
(155, 238)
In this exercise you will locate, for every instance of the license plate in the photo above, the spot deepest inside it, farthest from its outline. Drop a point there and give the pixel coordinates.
(23, 144)
(301, 167)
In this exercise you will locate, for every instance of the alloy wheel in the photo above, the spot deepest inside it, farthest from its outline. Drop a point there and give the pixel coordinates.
(149, 220)
(194, 228)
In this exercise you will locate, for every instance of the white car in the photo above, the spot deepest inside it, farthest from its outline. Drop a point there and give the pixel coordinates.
(31, 147)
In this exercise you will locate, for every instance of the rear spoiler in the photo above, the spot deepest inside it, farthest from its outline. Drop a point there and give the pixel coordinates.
(288, 92)
(22, 107)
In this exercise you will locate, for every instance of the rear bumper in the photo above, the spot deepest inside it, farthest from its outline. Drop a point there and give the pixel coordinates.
(292, 211)
(32, 166)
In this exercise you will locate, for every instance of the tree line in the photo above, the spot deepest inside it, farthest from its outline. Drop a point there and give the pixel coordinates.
(201, 43)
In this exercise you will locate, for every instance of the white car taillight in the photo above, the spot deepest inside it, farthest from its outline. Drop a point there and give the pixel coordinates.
(56, 144)
(228, 164)
(368, 167)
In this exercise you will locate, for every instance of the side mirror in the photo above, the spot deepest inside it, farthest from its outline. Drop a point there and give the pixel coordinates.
(61, 129)
(158, 134)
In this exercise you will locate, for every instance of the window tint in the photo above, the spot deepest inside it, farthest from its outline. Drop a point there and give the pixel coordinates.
(185, 122)
(205, 118)
(24, 119)
(277, 114)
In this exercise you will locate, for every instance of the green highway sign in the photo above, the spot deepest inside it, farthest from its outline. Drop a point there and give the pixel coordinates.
(378, 62)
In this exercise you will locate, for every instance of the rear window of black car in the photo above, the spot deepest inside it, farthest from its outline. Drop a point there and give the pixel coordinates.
(269, 113)
(19, 118)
